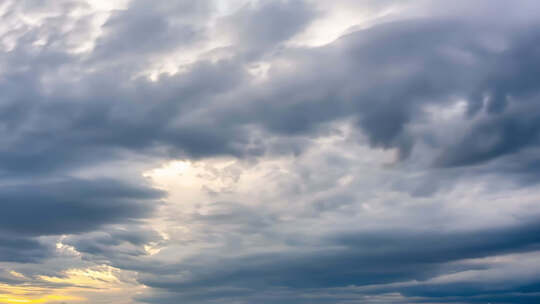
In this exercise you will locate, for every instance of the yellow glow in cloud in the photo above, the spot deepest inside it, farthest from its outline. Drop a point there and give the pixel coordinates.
(189, 178)
(99, 277)
(16, 274)
(79, 280)
(28, 294)
(8, 299)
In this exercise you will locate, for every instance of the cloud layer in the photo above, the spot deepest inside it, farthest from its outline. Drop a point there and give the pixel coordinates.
(288, 151)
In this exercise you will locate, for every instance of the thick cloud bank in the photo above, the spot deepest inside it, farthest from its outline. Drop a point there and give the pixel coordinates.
(261, 151)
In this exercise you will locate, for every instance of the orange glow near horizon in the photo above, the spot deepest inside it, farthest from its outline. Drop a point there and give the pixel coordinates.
(75, 281)
(15, 299)
(29, 294)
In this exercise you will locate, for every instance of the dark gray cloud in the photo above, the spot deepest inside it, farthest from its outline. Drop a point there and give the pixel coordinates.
(503, 134)
(476, 293)
(211, 111)
(452, 91)
(23, 250)
(72, 206)
(356, 259)
(114, 244)
(151, 29)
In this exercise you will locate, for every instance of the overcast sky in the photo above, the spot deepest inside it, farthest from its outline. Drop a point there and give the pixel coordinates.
(269, 151)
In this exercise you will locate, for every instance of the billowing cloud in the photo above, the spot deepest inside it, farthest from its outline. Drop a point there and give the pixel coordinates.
(288, 151)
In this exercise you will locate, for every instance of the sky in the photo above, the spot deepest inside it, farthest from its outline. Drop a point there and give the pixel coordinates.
(269, 151)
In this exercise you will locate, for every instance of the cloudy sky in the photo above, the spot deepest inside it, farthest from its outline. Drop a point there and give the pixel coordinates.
(269, 151)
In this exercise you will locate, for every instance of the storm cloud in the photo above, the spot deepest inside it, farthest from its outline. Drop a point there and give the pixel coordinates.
(258, 151)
